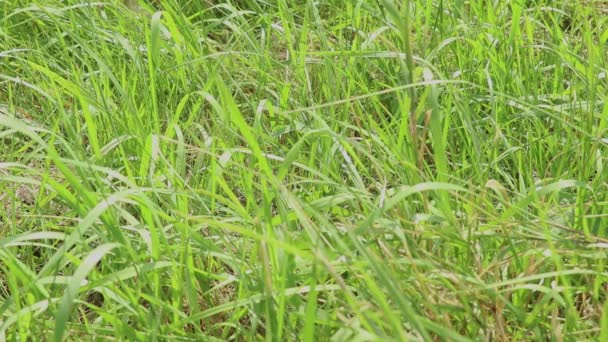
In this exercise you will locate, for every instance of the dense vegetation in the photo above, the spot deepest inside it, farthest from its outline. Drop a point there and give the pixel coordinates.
(308, 170)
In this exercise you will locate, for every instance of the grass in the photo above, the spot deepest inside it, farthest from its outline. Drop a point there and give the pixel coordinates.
(358, 170)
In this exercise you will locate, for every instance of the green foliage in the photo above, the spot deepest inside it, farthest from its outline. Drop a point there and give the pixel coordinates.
(303, 170)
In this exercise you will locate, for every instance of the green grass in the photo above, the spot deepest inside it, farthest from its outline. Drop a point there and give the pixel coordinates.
(365, 170)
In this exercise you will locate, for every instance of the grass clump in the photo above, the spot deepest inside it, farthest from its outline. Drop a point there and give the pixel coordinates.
(303, 170)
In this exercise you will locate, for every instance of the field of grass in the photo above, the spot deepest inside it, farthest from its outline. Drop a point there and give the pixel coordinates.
(311, 170)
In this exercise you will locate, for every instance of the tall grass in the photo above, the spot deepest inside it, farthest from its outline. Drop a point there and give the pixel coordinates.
(303, 170)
